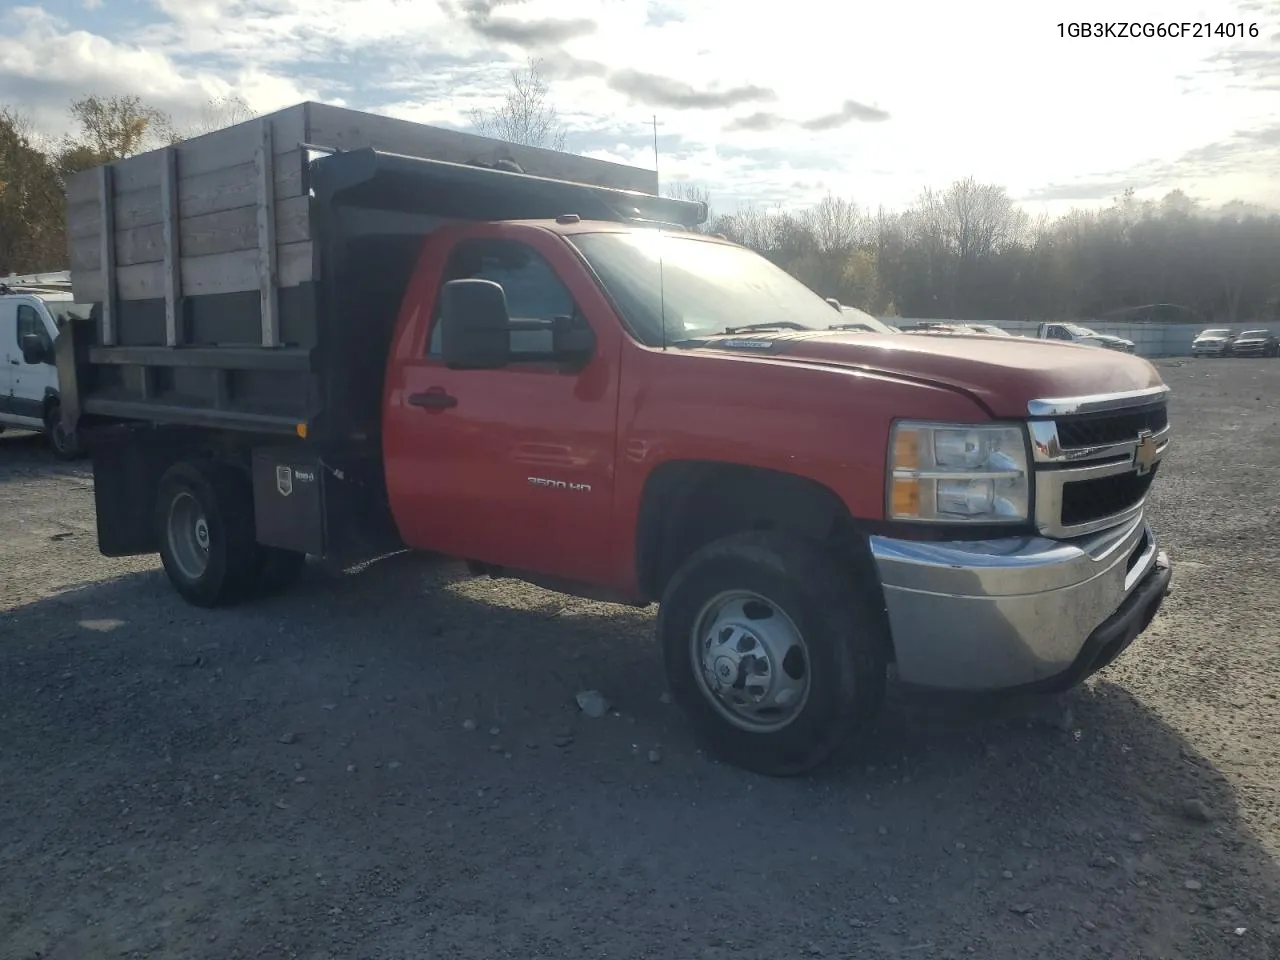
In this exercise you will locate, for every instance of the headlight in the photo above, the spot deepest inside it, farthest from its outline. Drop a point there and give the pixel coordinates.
(957, 473)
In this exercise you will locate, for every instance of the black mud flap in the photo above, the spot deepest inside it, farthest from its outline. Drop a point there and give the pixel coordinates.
(127, 466)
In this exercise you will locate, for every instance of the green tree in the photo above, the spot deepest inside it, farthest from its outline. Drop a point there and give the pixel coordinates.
(116, 127)
(32, 214)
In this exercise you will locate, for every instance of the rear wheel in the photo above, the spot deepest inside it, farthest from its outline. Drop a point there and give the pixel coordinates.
(772, 651)
(204, 524)
(65, 443)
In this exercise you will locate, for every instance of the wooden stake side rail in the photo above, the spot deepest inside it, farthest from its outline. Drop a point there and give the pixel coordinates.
(204, 260)
(229, 212)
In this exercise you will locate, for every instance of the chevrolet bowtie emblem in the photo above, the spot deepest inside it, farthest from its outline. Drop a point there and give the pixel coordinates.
(1145, 454)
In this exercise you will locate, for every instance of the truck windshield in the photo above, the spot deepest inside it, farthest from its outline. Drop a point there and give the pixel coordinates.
(697, 288)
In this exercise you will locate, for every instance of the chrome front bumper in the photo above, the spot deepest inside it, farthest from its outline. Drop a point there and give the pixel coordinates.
(1018, 612)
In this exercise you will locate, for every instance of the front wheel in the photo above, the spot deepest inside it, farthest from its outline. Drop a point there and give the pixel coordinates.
(773, 651)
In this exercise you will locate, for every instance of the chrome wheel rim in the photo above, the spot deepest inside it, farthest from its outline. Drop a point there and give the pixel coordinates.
(751, 661)
(188, 532)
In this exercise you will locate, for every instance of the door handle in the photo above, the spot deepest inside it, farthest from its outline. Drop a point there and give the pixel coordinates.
(16, 363)
(433, 399)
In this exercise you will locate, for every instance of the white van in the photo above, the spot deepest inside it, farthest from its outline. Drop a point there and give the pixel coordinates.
(32, 310)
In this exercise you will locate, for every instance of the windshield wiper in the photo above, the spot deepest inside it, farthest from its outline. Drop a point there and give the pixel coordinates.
(773, 325)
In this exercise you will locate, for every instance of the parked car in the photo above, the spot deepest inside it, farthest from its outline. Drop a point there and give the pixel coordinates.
(1255, 343)
(523, 373)
(1074, 333)
(855, 319)
(1212, 343)
(987, 330)
(32, 311)
(959, 329)
(937, 327)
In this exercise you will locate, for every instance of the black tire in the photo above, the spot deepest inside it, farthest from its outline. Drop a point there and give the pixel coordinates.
(846, 636)
(65, 446)
(233, 558)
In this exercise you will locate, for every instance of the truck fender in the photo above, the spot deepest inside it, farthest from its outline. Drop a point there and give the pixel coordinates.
(687, 504)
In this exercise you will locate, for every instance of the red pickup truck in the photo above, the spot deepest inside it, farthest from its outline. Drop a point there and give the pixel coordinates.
(559, 382)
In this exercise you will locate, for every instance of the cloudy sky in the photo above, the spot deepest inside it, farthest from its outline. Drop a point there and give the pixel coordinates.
(773, 103)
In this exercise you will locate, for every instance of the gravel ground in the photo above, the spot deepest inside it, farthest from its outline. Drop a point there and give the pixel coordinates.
(389, 763)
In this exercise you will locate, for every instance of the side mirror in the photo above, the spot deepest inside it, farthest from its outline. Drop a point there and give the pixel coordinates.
(35, 350)
(573, 342)
(475, 327)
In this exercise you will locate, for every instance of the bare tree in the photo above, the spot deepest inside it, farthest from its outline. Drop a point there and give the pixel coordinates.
(526, 115)
(688, 190)
(750, 226)
(216, 114)
(836, 224)
(974, 219)
(966, 251)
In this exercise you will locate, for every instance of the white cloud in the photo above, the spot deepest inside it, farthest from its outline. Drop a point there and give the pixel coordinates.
(986, 88)
(46, 64)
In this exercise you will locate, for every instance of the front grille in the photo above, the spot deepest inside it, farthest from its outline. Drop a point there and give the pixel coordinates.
(1084, 501)
(1096, 429)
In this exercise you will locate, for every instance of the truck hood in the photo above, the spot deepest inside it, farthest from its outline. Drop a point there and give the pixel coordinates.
(1003, 373)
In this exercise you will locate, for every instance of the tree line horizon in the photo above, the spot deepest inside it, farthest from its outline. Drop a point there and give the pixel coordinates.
(966, 252)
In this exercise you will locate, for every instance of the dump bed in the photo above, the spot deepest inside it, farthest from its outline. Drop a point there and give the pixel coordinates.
(249, 278)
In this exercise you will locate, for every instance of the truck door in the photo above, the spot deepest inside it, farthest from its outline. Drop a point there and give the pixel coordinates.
(30, 381)
(512, 466)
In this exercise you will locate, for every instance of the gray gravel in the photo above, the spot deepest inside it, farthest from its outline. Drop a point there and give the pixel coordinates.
(391, 763)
